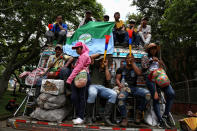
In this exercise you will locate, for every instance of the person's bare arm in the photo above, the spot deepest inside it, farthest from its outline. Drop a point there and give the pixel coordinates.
(107, 73)
(61, 27)
(70, 60)
(134, 66)
(136, 69)
(118, 78)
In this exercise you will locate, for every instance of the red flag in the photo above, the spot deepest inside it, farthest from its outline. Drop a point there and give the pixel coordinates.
(50, 26)
(107, 37)
(130, 33)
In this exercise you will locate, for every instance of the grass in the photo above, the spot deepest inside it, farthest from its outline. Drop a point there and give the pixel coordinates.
(6, 97)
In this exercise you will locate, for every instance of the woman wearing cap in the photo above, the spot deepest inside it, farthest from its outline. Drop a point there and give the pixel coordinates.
(79, 93)
(152, 63)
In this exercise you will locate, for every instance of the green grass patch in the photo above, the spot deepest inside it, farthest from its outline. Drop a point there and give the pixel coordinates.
(8, 96)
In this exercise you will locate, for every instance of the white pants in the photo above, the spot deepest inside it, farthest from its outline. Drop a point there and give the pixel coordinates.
(146, 39)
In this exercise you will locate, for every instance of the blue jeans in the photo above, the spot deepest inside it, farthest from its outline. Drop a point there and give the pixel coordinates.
(64, 73)
(103, 92)
(169, 93)
(141, 93)
(79, 97)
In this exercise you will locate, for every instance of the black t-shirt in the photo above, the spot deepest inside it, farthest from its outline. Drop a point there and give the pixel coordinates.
(130, 76)
(98, 77)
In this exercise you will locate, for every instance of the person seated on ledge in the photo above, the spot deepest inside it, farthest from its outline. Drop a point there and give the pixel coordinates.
(106, 18)
(126, 79)
(58, 32)
(144, 31)
(101, 86)
(119, 32)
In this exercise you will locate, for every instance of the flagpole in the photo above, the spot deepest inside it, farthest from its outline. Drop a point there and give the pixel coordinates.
(130, 40)
(107, 37)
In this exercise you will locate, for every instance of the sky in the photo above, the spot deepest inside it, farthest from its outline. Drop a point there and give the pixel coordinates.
(122, 6)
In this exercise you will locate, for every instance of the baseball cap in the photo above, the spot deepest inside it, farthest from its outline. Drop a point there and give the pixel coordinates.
(58, 46)
(132, 21)
(78, 44)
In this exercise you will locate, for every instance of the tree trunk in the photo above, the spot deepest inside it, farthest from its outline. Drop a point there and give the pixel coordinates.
(3, 85)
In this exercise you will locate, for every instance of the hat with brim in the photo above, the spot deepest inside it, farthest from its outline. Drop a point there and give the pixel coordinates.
(88, 12)
(147, 47)
(78, 44)
(132, 21)
(145, 18)
(58, 46)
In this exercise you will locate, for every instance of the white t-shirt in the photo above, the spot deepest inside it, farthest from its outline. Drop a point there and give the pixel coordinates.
(145, 30)
(154, 65)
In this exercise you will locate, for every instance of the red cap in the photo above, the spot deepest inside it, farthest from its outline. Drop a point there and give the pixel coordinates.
(78, 44)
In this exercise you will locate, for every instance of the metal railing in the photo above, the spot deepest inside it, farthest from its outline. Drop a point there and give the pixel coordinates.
(186, 91)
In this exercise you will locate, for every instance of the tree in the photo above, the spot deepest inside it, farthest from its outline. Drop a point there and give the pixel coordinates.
(153, 9)
(136, 17)
(179, 25)
(23, 24)
(174, 25)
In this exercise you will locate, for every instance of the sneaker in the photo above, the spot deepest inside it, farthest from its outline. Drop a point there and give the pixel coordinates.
(163, 124)
(73, 120)
(78, 121)
(168, 120)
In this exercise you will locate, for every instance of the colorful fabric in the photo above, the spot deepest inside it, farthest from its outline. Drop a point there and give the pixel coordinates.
(160, 77)
(82, 63)
(32, 77)
(119, 24)
(37, 72)
(81, 79)
(57, 29)
(191, 122)
(135, 29)
(59, 63)
(93, 35)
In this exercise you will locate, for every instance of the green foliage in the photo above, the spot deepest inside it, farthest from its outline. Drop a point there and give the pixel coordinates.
(23, 24)
(5, 98)
(180, 23)
(153, 9)
(174, 26)
(136, 17)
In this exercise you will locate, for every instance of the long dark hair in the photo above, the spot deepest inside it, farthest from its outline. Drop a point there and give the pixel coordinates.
(150, 55)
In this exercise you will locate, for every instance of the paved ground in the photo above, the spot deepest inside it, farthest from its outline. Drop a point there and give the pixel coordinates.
(4, 127)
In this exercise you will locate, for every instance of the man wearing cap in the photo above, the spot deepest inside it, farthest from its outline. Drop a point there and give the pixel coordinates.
(57, 61)
(55, 65)
(88, 18)
(135, 37)
(144, 31)
(56, 68)
(58, 31)
(101, 86)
